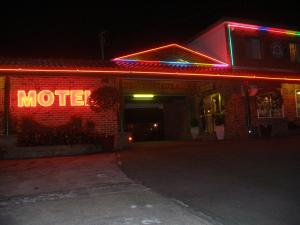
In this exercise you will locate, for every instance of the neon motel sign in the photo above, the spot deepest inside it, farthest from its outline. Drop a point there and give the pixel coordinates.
(47, 98)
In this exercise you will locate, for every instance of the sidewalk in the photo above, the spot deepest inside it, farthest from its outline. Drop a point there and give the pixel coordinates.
(85, 190)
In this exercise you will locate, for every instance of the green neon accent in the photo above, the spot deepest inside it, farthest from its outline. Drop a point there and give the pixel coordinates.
(230, 46)
(143, 96)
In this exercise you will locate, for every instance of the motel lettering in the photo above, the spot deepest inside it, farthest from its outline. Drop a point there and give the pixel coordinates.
(46, 98)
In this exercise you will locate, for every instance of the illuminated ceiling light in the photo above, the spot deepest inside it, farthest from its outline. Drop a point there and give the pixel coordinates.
(298, 92)
(143, 96)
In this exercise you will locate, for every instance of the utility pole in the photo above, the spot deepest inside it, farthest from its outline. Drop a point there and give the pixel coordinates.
(102, 43)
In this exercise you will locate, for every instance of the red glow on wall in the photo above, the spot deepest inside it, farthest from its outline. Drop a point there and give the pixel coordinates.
(63, 108)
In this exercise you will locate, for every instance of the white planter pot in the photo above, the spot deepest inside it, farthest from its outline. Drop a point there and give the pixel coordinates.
(195, 132)
(219, 132)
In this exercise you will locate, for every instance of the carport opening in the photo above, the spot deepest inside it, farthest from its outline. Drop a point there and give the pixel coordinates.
(155, 119)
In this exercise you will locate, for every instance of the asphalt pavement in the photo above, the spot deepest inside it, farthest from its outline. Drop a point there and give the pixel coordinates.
(254, 182)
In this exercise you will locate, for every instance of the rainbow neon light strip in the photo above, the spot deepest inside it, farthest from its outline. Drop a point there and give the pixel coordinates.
(172, 62)
(217, 64)
(258, 28)
(261, 28)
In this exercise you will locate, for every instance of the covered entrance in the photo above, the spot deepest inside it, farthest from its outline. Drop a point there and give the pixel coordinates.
(157, 118)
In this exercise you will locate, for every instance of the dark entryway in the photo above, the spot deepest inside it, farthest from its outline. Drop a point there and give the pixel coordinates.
(145, 124)
(161, 118)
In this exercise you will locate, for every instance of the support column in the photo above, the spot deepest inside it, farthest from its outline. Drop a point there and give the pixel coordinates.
(121, 106)
(6, 105)
(247, 104)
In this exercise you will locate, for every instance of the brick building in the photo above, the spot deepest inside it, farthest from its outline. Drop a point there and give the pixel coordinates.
(248, 73)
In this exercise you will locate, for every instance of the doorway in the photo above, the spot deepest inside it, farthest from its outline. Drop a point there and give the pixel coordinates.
(161, 118)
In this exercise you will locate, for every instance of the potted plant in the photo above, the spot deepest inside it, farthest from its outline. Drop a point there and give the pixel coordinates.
(194, 128)
(219, 125)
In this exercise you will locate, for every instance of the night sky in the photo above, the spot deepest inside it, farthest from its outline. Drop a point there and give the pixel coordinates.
(70, 32)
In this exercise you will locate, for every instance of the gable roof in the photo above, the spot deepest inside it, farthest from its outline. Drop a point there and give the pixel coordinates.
(252, 24)
(172, 54)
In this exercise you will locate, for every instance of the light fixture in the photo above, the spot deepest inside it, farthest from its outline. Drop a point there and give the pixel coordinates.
(143, 96)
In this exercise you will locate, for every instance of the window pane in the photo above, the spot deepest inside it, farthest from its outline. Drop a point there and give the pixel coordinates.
(298, 102)
(254, 48)
(269, 104)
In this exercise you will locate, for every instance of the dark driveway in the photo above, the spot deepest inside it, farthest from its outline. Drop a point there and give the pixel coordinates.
(236, 182)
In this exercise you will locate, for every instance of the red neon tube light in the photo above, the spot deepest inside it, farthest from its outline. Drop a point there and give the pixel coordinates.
(133, 72)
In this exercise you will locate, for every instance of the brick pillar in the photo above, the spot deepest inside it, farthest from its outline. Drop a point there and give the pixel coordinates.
(235, 116)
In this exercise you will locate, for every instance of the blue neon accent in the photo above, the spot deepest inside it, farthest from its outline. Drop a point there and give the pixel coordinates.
(264, 28)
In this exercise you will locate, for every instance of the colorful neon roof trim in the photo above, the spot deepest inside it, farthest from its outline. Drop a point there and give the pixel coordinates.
(262, 28)
(217, 63)
(172, 62)
(255, 27)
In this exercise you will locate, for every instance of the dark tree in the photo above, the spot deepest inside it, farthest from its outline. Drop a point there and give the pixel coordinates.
(104, 99)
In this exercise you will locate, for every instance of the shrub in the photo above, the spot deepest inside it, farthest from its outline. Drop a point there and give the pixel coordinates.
(104, 98)
(31, 133)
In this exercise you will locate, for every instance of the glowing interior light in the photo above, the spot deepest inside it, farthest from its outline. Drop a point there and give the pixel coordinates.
(45, 98)
(155, 125)
(28, 100)
(298, 92)
(143, 96)
(130, 138)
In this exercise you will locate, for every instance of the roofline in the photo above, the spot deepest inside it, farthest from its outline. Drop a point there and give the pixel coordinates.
(133, 73)
(171, 45)
(228, 20)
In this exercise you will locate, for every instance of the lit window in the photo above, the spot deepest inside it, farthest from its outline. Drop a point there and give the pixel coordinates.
(269, 104)
(254, 48)
(294, 52)
(298, 102)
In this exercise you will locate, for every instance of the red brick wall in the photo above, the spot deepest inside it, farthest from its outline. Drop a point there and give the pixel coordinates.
(55, 115)
(2, 94)
(235, 119)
